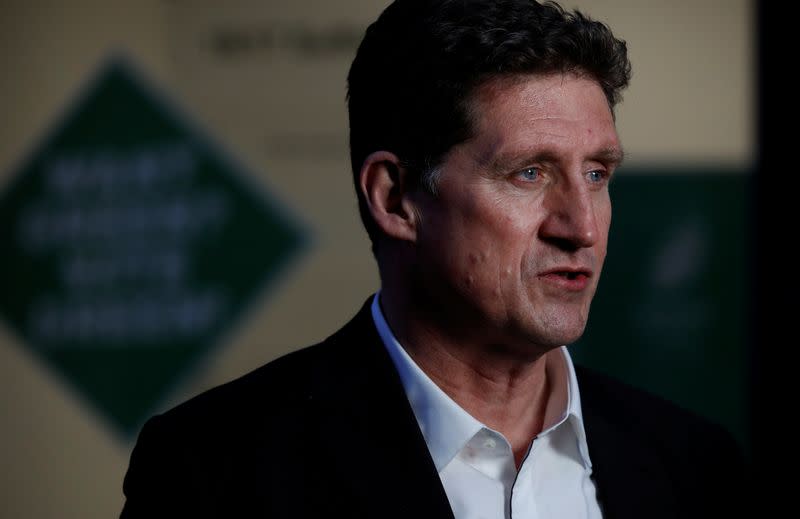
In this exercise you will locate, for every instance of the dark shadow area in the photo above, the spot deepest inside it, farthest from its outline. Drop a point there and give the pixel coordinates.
(670, 311)
(774, 339)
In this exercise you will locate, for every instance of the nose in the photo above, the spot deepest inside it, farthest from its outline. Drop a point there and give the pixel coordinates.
(571, 222)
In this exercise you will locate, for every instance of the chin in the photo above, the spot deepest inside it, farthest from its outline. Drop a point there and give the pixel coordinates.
(556, 335)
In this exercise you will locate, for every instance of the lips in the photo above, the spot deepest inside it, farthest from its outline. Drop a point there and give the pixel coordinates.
(568, 278)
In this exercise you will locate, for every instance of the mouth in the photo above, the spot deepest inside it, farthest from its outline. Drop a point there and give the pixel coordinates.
(571, 275)
(571, 279)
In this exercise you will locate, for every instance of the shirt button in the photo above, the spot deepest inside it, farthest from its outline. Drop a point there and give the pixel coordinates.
(489, 443)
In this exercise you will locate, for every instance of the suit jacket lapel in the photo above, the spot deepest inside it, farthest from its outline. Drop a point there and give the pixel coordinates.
(368, 425)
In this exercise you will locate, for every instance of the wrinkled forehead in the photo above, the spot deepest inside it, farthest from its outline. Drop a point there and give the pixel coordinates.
(560, 95)
(564, 115)
(485, 92)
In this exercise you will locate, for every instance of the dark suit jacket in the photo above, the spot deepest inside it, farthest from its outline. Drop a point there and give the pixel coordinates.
(327, 431)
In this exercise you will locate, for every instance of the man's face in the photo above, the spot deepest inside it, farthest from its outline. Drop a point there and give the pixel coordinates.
(510, 249)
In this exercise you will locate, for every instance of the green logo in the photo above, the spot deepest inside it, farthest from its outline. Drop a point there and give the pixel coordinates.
(130, 245)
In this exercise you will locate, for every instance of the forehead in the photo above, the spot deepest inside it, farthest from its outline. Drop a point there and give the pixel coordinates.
(561, 110)
(538, 90)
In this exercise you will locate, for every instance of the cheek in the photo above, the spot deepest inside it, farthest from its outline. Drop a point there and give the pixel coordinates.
(504, 240)
(486, 238)
(488, 253)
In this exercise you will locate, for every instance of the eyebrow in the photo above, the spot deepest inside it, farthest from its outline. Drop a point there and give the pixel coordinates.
(612, 155)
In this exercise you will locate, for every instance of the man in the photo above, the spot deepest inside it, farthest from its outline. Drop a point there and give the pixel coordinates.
(483, 141)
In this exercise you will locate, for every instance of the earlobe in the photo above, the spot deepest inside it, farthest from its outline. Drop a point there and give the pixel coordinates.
(385, 186)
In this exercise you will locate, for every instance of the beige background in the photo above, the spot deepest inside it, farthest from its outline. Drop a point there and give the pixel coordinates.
(278, 108)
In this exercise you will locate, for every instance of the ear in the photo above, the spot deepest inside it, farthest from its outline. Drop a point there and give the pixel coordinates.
(385, 186)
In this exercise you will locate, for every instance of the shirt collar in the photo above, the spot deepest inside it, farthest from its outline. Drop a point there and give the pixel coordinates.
(444, 424)
(447, 427)
(574, 409)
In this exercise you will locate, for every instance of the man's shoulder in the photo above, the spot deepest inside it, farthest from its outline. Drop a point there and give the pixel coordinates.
(281, 381)
(649, 419)
(623, 401)
(217, 440)
(631, 430)
(279, 387)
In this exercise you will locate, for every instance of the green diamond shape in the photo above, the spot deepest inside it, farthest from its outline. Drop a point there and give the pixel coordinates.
(130, 244)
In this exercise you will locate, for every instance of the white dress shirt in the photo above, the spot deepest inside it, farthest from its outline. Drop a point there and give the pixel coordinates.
(476, 464)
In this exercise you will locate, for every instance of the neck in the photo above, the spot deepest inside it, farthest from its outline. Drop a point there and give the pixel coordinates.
(503, 389)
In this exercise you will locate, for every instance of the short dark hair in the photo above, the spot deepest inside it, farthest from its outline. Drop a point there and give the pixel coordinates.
(411, 82)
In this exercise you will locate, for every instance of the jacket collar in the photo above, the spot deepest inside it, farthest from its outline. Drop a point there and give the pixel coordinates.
(369, 427)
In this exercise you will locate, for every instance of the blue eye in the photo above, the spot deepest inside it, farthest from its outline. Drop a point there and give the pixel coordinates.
(529, 173)
(596, 176)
